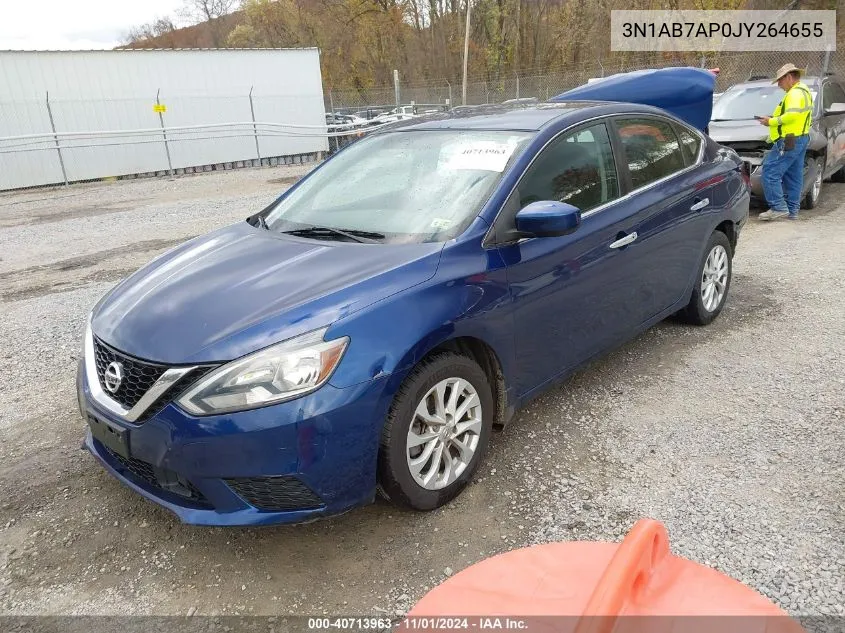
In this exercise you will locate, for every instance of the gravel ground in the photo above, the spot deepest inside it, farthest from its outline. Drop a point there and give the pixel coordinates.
(731, 435)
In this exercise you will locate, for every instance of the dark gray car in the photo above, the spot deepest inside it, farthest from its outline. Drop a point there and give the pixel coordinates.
(733, 125)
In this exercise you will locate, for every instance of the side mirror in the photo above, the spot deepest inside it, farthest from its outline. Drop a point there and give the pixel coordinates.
(834, 109)
(548, 218)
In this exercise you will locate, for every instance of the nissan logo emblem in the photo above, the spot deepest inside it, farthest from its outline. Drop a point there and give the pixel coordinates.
(113, 377)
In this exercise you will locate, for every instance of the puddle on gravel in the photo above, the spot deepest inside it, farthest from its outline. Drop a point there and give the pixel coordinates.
(285, 180)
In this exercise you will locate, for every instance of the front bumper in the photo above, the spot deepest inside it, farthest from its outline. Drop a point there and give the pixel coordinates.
(758, 197)
(289, 463)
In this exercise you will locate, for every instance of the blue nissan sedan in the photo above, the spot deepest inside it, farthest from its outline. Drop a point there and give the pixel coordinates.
(365, 332)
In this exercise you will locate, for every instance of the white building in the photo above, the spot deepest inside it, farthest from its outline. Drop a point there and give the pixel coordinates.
(220, 107)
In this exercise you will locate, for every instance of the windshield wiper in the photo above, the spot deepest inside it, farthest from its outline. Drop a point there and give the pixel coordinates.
(364, 237)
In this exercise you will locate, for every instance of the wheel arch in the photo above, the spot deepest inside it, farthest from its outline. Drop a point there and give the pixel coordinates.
(486, 357)
(728, 227)
(471, 346)
(468, 319)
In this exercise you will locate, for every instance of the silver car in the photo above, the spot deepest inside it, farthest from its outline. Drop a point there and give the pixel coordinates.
(733, 125)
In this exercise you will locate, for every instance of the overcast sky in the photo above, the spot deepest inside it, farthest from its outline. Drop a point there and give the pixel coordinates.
(75, 24)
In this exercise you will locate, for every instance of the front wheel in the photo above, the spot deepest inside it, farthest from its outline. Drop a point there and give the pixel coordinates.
(436, 433)
(713, 282)
(811, 198)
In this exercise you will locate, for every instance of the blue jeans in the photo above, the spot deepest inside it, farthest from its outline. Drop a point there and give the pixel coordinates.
(783, 175)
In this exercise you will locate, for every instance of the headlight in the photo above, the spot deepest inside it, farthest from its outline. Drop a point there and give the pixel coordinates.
(281, 372)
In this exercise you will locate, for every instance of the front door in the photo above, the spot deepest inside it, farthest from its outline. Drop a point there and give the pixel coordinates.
(570, 294)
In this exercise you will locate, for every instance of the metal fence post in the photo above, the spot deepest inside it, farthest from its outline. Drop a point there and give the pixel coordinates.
(450, 93)
(331, 100)
(517, 85)
(826, 61)
(396, 85)
(56, 138)
(254, 127)
(164, 134)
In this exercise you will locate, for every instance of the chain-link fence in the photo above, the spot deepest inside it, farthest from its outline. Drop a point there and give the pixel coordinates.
(733, 67)
(54, 140)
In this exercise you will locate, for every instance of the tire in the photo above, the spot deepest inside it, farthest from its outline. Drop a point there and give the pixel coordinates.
(811, 198)
(838, 176)
(395, 479)
(697, 311)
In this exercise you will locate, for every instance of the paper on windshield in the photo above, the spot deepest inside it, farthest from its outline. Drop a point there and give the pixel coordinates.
(476, 154)
(441, 223)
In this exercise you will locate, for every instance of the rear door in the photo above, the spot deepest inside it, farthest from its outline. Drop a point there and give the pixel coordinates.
(669, 187)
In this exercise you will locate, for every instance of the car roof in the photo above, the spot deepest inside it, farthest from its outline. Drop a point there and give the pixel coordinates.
(517, 117)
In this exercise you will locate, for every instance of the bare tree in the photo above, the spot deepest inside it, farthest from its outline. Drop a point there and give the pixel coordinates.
(209, 11)
(203, 10)
(155, 29)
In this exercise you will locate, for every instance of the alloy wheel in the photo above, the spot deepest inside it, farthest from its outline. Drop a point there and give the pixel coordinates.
(444, 434)
(714, 278)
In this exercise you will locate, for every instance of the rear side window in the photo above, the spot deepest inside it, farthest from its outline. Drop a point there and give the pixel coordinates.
(690, 143)
(652, 149)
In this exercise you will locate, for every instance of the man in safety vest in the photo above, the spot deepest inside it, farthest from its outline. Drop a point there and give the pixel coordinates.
(789, 126)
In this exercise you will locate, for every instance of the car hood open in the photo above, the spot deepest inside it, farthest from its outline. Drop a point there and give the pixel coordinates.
(735, 131)
(240, 288)
(685, 92)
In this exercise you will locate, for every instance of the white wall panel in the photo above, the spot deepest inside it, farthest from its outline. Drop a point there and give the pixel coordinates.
(18, 169)
(96, 91)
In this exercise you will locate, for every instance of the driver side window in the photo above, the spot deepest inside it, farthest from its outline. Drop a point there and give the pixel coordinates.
(577, 169)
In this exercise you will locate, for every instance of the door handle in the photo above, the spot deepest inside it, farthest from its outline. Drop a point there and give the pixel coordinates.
(700, 204)
(624, 241)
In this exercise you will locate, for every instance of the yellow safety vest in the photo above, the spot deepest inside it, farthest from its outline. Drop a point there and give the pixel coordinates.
(793, 115)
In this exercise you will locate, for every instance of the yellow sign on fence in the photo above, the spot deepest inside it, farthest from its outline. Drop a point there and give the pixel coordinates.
(159, 107)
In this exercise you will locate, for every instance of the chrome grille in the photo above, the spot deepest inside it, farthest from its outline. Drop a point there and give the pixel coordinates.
(175, 391)
(138, 375)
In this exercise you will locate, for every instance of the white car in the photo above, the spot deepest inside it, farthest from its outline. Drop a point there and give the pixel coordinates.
(397, 114)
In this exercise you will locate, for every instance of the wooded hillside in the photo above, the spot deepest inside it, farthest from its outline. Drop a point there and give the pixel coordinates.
(362, 41)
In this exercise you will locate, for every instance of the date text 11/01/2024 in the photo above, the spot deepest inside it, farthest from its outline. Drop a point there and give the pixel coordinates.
(723, 29)
(481, 623)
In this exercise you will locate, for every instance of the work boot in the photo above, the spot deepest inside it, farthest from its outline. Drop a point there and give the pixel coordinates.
(773, 214)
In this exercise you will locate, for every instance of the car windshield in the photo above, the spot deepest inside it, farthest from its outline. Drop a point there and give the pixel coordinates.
(403, 186)
(738, 104)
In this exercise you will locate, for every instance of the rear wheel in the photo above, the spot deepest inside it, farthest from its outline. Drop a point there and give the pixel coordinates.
(713, 282)
(436, 434)
(811, 198)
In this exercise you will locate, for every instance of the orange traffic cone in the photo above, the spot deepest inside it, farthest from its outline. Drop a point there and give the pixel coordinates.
(590, 587)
